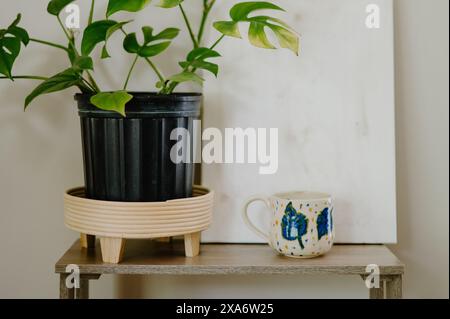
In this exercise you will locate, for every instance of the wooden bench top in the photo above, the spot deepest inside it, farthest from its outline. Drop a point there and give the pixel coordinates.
(147, 257)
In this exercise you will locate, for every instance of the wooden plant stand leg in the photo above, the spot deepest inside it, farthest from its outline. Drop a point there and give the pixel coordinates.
(192, 244)
(87, 241)
(112, 249)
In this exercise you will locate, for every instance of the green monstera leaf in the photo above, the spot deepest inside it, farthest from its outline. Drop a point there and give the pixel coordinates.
(125, 5)
(259, 25)
(197, 59)
(112, 101)
(11, 40)
(169, 3)
(94, 34)
(228, 28)
(186, 76)
(98, 32)
(109, 33)
(58, 82)
(56, 6)
(82, 63)
(153, 44)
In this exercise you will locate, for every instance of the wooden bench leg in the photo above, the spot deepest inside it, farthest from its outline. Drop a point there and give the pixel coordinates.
(87, 241)
(390, 288)
(394, 287)
(112, 249)
(64, 291)
(76, 293)
(192, 244)
(83, 291)
(377, 293)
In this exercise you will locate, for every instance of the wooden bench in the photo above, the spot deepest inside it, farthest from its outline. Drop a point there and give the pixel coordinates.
(149, 257)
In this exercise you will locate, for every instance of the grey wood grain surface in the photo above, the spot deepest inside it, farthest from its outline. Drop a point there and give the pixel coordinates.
(147, 257)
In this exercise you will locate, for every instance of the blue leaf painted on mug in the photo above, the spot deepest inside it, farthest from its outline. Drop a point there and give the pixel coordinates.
(293, 225)
(289, 223)
(302, 229)
(324, 223)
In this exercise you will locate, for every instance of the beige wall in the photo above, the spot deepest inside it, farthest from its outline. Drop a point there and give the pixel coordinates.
(40, 156)
(422, 145)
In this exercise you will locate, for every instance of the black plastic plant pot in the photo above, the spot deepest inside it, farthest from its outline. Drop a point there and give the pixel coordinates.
(128, 159)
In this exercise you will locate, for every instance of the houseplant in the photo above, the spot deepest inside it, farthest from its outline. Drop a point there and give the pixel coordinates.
(126, 135)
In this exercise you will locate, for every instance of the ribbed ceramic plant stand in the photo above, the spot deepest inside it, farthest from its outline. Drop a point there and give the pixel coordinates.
(114, 222)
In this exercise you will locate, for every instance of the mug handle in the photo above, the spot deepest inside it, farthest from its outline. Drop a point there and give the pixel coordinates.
(247, 220)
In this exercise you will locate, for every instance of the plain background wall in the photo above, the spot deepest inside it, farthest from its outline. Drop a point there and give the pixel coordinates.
(40, 156)
(422, 145)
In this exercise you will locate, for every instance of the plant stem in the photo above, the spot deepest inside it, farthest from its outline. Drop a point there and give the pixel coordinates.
(217, 42)
(202, 25)
(89, 85)
(91, 12)
(92, 81)
(26, 77)
(152, 65)
(129, 73)
(158, 73)
(92, 85)
(64, 29)
(186, 20)
(49, 44)
(173, 85)
(206, 10)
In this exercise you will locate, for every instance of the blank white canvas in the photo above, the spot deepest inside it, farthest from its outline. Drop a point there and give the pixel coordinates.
(334, 107)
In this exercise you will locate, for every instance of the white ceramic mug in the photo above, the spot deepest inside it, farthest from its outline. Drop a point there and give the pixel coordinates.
(302, 223)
